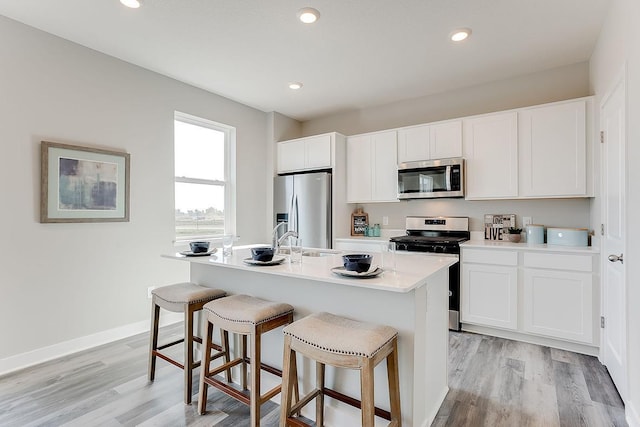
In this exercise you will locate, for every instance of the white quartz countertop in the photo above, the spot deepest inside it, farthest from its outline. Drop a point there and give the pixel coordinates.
(411, 270)
(492, 244)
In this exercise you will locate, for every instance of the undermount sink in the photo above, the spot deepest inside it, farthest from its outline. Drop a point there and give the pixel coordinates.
(311, 252)
(319, 253)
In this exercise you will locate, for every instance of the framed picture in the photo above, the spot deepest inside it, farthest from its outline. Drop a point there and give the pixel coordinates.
(83, 184)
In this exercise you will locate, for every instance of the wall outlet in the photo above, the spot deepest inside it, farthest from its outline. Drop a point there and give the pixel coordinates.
(149, 289)
(526, 220)
(385, 220)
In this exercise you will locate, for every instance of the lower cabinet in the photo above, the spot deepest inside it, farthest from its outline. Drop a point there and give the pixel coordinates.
(489, 295)
(532, 293)
(558, 304)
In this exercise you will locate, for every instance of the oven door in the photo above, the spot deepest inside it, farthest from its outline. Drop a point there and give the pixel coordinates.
(431, 179)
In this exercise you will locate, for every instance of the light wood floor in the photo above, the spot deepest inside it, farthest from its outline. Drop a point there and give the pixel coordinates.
(494, 382)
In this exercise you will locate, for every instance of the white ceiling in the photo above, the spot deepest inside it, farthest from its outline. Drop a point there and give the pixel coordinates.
(360, 53)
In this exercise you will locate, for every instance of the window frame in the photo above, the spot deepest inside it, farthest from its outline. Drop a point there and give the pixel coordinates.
(229, 182)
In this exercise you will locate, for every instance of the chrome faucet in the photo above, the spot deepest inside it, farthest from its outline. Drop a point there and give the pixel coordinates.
(275, 242)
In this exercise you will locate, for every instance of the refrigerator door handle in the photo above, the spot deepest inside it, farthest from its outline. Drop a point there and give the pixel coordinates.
(290, 214)
(297, 225)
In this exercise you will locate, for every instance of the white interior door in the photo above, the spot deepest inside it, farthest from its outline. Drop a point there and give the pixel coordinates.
(614, 343)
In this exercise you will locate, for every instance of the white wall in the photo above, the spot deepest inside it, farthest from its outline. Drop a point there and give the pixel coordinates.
(59, 282)
(619, 44)
(548, 86)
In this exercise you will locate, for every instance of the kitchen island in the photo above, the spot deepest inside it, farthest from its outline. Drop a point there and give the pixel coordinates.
(413, 299)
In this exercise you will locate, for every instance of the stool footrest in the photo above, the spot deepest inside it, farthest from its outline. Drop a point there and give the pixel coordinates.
(231, 391)
(295, 422)
(168, 359)
(303, 402)
(355, 402)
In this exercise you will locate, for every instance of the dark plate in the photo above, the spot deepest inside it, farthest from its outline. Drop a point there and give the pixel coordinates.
(341, 271)
(209, 252)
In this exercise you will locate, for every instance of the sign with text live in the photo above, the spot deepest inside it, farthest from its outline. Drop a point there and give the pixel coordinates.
(497, 225)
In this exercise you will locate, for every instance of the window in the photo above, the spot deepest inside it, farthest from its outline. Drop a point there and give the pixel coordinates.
(204, 178)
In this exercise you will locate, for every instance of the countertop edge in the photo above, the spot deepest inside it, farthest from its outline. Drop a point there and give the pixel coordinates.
(489, 244)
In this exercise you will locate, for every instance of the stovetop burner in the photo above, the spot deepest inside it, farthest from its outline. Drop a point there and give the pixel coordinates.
(433, 234)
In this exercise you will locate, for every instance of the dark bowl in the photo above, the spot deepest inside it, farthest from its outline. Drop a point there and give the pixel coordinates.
(262, 254)
(357, 262)
(199, 247)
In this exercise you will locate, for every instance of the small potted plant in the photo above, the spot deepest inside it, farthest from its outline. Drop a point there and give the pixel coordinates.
(513, 234)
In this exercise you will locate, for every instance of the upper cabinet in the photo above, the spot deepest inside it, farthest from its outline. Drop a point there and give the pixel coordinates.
(372, 172)
(536, 152)
(491, 153)
(302, 154)
(433, 141)
(553, 149)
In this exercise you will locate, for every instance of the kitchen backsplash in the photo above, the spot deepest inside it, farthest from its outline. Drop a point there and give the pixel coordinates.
(549, 212)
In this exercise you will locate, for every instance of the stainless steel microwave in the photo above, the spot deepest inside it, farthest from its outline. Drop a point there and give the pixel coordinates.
(431, 179)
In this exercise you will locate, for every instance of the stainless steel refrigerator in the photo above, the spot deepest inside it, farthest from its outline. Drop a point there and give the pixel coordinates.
(304, 202)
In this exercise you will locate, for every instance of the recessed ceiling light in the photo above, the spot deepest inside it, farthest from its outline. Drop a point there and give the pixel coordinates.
(295, 85)
(308, 15)
(460, 34)
(134, 4)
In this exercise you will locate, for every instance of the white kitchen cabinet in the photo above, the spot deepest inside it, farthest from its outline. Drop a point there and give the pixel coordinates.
(414, 144)
(429, 142)
(548, 296)
(490, 148)
(558, 296)
(446, 139)
(372, 171)
(553, 150)
(302, 154)
(489, 288)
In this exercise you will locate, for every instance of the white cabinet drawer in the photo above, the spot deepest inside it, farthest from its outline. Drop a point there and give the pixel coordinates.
(497, 257)
(559, 261)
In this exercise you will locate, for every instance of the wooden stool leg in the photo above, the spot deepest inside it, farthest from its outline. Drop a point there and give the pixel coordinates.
(394, 385)
(320, 397)
(289, 378)
(366, 388)
(225, 348)
(153, 340)
(204, 367)
(188, 353)
(255, 378)
(243, 381)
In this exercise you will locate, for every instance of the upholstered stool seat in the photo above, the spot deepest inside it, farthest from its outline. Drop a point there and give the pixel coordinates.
(249, 317)
(343, 343)
(186, 298)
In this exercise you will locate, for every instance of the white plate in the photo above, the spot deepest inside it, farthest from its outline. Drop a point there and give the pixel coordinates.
(275, 261)
(209, 252)
(341, 271)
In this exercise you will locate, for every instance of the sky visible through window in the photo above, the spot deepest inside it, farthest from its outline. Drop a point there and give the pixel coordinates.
(199, 154)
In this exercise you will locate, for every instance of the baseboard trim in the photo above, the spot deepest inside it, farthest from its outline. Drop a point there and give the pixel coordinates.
(632, 416)
(44, 354)
(590, 350)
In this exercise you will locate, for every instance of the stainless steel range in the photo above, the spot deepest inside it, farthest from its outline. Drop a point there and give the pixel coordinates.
(438, 235)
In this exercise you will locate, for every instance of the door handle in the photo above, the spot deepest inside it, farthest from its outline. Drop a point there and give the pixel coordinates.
(614, 258)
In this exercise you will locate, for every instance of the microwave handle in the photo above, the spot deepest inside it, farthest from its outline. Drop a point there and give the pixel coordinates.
(448, 178)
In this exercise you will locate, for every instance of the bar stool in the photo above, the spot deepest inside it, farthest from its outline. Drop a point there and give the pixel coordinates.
(246, 316)
(187, 298)
(342, 343)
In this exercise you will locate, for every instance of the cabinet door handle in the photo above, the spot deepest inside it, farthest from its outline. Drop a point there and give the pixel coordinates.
(614, 258)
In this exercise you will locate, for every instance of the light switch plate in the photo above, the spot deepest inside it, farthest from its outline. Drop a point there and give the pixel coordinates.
(385, 220)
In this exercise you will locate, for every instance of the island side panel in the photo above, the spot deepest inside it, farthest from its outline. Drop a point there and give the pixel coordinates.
(432, 347)
(308, 296)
